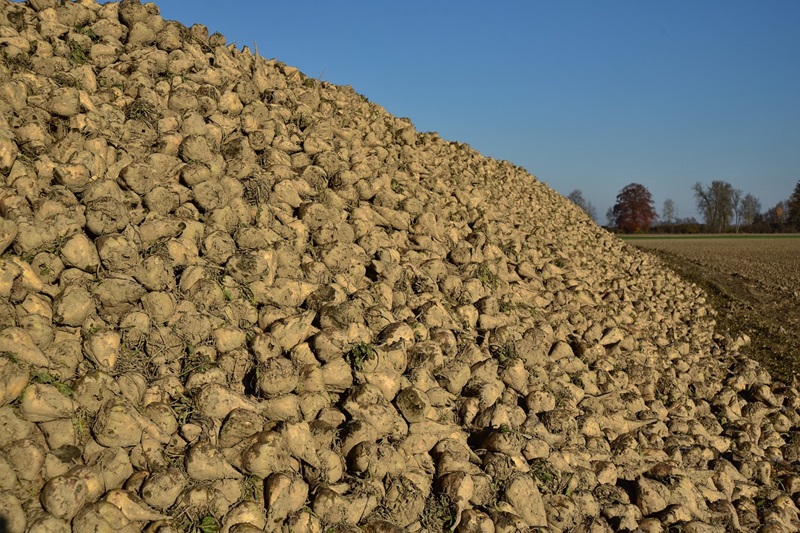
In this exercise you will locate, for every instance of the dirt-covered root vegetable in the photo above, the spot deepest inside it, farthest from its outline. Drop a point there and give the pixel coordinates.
(197, 380)
(12, 516)
(380, 526)
(504, 441)
(651, 495)
(312, 403)
(277, 376)
(132, 386)
(282, 408)
(63, 496)
(507, 521)
(311, 379)
(228, 338)
(247, 513)
(267, 454)
(8, 229)
(363, 499)
(102, 348)
(423, 436)
(285, 494)
(102, 516)
(44, 522)
(44, 403)
(13, 379)
(73, 305)
(331, 467)
(337, 375)
(80, 252)
(264, 346)
(304, 520)
(515, 375)
(474, 521)
(115, 467)
(330, 506)
(26, 456)
(204, 462)
(404, 501)
(459, 488)
(92, 478)
(58, 433)
(239, 425)
(17, 343)
(358, 431)
(249, 528)
(523, 495)
(94, 389)
(116, 424)
(387, 380)
(375, 460)
(162, 488)
(132, 507)
(367, 403)
(300, 442)
(217, 401)
(413, 404)
(9, 273)
(29, 279)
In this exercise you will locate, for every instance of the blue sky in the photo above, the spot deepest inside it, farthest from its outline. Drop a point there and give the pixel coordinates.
(589, 95)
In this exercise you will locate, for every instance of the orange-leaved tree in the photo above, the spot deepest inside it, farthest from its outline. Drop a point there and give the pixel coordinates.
(634, 211)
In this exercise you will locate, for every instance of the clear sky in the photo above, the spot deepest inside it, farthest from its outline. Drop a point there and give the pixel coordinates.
(589, 95)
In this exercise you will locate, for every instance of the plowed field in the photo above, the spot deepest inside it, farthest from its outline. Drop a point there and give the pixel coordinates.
(752, 281)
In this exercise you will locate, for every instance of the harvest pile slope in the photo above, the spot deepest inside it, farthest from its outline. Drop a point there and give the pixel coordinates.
(235, 296)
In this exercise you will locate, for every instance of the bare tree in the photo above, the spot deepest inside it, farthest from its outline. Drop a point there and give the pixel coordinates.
(750, 207)
(576, 197)
(716, 204)
(611, 220)
(668, 211)
(736, 202)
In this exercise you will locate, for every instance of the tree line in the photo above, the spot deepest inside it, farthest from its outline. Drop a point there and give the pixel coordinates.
(723, 208)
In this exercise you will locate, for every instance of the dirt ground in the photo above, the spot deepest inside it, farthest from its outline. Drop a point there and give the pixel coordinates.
(753, 282)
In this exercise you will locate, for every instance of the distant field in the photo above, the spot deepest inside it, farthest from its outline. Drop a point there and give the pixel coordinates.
(701, 236)
(752, 280)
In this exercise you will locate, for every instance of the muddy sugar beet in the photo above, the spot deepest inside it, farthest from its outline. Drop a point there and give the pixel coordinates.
(236, 298)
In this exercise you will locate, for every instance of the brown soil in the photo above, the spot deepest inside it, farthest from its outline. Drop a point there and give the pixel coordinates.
(754, 284)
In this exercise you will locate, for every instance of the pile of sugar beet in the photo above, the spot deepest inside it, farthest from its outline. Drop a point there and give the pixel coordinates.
(235, 298)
